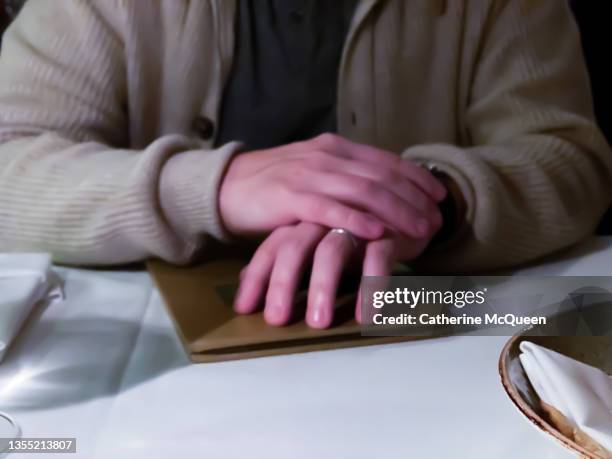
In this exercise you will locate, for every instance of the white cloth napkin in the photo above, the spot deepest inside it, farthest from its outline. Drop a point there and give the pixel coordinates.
(582, 393)
(26, 279)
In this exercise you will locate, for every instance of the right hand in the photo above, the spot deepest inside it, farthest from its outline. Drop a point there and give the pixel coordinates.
(333, 182)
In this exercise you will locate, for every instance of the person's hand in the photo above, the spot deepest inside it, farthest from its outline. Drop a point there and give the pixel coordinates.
(276, 269)
(333, 182)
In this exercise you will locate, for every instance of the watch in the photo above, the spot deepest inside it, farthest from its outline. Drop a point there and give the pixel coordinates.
(452, 207)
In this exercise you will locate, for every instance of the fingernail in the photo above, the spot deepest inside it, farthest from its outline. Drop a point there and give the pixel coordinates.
(274, 314)
(320, 317)
(239, 300)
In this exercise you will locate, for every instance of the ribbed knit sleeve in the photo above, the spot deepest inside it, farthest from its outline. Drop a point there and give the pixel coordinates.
(539, 175)
(69, 184)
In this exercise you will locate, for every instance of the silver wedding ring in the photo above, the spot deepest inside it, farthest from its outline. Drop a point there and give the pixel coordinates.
(347, 234)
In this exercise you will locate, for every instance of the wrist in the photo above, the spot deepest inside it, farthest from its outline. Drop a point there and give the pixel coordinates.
(189, 191)
(231, 197)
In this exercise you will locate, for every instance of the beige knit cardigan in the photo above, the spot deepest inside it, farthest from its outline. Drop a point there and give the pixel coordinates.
(100, 162)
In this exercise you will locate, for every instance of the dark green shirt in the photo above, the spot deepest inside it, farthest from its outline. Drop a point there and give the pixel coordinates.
(283, 83)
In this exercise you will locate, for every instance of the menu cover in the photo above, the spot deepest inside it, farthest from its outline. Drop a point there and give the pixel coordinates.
(200, 301)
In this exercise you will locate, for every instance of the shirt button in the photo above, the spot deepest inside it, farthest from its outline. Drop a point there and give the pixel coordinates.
(203, 127)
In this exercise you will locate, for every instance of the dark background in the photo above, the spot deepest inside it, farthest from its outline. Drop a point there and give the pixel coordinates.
(592, 19)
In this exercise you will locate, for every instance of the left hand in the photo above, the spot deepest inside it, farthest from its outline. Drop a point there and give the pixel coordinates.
(278, 264)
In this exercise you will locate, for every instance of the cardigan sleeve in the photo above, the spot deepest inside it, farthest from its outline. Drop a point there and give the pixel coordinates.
(69, 183)
(537, 175)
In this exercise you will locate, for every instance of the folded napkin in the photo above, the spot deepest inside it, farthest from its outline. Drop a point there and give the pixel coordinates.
(26, 279)
(578, 397)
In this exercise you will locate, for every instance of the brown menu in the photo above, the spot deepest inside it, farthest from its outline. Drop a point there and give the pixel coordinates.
(200, 298)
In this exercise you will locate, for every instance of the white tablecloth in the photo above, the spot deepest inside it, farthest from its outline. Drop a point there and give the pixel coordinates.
(107, 368)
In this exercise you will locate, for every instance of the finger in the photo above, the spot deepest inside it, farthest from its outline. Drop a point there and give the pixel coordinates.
(331, 257)
(255, 276)
(394, 182)
(378, 261)
(291, 258)
(395, 212)
(425, 180)
(333, 214)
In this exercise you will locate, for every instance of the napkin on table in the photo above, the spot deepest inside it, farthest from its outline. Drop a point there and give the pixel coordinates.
(25, 280)
(582, 394)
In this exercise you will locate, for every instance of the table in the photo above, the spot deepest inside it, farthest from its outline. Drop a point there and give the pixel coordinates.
(106, 366)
